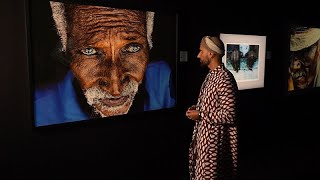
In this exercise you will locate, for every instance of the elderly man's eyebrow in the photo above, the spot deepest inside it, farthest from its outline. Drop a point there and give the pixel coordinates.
(91, 38)
(131, 37)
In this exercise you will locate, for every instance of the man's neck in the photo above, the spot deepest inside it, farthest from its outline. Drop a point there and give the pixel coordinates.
(214, 64)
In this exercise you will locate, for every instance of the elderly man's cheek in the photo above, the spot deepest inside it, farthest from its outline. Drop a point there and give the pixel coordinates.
(135, 68)
(136, 74)
(85, 72)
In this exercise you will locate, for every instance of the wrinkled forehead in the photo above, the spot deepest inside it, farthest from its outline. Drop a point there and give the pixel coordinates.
(85, 18)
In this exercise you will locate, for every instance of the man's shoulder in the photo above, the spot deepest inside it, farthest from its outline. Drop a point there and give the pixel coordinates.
(51, 90)
(158, 70)
(159, 65)
(45, 92)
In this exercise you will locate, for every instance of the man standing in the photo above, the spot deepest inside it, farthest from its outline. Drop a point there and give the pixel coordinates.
(214, 148)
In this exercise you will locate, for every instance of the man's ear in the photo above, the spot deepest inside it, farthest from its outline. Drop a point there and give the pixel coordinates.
(211, 54)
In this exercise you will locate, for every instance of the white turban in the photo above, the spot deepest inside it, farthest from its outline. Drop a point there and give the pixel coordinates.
(214, 44)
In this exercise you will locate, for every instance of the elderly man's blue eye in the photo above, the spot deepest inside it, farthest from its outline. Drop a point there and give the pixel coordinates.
(89, 51)
(132, 48)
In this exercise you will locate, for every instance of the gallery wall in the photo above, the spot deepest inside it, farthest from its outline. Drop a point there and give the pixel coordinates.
(277, 128)
(155, 144)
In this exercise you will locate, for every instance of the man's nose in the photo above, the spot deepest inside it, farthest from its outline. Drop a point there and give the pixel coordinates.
(114, 83)
(115, 88)
(112, 86)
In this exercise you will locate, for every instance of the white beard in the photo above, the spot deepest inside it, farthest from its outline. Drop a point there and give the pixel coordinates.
(95, 96)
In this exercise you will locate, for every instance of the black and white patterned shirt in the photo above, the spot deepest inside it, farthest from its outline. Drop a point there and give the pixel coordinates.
(213, 150)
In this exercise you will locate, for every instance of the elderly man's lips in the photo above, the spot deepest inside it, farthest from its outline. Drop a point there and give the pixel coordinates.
(115, 101)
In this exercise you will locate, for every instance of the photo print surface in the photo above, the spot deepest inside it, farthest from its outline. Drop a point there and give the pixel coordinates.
(304, 58)
(95, 61)
(245, 58)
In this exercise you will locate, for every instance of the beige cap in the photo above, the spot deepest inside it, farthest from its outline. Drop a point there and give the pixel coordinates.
(304, 39)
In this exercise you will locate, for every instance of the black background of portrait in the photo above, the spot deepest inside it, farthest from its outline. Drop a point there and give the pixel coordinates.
(279, 134)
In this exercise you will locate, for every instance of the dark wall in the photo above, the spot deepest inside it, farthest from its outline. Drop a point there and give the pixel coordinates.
(277, 130)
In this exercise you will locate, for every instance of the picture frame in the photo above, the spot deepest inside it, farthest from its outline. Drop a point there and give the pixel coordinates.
(245, 58)
(51, 64)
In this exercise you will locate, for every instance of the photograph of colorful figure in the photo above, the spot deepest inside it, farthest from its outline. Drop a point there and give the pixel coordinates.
(251, 56)
(235, 58)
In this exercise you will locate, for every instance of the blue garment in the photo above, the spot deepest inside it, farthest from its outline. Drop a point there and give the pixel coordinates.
(58, 103)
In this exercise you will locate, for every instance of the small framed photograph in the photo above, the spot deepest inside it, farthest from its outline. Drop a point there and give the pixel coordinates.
(245, 58)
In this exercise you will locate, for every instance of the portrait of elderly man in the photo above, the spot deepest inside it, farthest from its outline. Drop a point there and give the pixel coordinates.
(304, 65)
(109, 73)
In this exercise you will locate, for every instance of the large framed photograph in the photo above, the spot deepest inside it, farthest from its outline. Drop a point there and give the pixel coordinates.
(93, 61)
(304, 57)
(245, 58)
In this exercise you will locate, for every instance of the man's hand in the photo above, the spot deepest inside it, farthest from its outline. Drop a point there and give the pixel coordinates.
(192, 113)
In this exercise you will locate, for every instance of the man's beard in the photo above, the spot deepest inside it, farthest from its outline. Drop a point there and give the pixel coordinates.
(107, 105)
(204, 63)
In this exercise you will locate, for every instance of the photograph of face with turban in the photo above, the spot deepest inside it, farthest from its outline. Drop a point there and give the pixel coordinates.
(304, 66)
